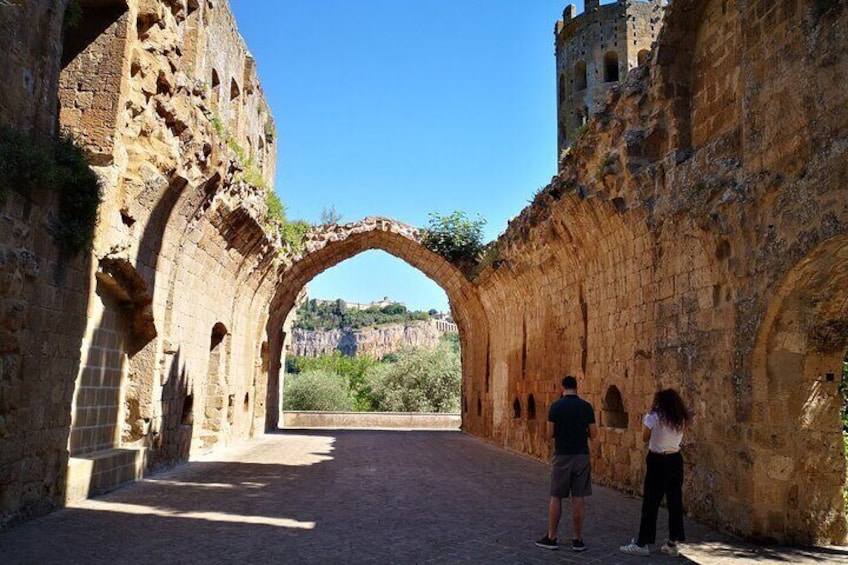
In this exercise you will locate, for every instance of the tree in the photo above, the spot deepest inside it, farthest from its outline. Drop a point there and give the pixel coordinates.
(339, 307)
(317, 390)
(330, 216)
(420, 381)
(393, 309)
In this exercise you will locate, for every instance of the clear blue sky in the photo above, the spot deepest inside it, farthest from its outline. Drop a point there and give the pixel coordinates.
(399, 108)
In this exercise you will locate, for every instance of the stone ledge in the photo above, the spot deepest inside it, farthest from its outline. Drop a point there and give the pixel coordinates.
(102, 471)
(393, 420)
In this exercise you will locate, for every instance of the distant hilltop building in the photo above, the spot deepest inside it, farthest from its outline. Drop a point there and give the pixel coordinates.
(594, 51)
(362, 306)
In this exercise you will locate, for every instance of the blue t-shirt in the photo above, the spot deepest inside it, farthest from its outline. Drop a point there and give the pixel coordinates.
(571, 416)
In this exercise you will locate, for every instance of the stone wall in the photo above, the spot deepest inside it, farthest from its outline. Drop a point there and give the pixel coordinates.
(42, 295)
(373, 342)
(695, 238)
(31, 36)
(594, 52)
(148, 349)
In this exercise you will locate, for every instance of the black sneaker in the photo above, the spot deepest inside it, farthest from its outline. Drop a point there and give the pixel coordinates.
(578, 545)
(547, 543)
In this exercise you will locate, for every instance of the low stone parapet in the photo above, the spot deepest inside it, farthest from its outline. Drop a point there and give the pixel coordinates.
(375, 420)
(102, 471)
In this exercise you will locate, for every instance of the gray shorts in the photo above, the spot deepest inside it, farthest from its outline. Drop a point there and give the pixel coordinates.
(571, 475)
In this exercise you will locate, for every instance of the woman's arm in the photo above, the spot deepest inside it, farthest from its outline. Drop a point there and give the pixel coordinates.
(646, 434)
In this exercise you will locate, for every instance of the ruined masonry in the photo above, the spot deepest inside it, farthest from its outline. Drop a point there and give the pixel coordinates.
(696, 236)
(594, 52)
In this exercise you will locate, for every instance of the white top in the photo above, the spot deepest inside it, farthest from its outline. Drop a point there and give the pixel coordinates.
(663, 437)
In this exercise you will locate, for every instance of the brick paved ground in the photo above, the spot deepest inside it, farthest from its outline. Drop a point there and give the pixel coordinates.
(352, 497)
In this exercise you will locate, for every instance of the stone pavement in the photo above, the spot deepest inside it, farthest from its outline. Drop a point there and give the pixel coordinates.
(330, 496)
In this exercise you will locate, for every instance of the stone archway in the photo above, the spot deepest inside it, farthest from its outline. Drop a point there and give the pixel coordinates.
(798, 464)
(333, 244)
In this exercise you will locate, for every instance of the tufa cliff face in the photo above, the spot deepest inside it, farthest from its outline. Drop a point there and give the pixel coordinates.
(373, 342)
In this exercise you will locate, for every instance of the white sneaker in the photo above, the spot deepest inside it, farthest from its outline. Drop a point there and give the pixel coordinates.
(671, 550)
(633, 549)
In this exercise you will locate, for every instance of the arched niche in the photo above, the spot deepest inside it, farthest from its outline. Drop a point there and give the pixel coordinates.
(795, 406)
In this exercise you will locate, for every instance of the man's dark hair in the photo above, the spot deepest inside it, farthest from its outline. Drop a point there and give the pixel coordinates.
(569, 383)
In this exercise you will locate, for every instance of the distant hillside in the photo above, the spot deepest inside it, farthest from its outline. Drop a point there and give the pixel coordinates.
(325, 315)
(374, 342)
(323, 327)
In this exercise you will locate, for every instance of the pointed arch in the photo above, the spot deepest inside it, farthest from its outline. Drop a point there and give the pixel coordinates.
(336, 243)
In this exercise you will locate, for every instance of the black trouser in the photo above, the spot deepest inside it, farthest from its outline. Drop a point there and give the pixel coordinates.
(664, 477)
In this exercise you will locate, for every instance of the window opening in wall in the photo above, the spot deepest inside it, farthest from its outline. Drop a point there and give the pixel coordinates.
(561, 88)
(488, 356)
(235, 91)
(524, 348)
(479, 406)
(613, 414)
(231, 409)
(580, 76)
(516, 409)
(219, 332)
(216, 87)
(246, 404)
(531, 407)
(187, 418)
(217, 398)
(611, 66)
(579, 118)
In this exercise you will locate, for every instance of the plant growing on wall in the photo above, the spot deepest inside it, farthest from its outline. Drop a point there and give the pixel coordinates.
(292, 232)
(27, 167)
(455, 237)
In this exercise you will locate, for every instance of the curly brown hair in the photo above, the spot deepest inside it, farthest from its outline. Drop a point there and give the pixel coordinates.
(671, 409)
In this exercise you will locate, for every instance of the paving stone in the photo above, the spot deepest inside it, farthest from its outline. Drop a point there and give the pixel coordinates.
(335, 496)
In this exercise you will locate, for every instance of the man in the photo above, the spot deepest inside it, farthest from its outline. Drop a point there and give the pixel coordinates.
(571, 422)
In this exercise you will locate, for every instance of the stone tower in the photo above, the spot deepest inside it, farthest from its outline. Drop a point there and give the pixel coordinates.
(594, 51)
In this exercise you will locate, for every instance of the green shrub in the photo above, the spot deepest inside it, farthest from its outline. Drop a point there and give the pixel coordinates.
(455, 237)
(80, 198)
(317, 390)
(420, 381)
(351, 369)
(28, 167)
(293, 234)
(581, 131)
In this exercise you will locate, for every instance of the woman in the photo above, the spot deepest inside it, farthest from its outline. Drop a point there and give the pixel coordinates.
(663, 431)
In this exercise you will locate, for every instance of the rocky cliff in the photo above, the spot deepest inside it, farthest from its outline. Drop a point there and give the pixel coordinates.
(375, 342)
